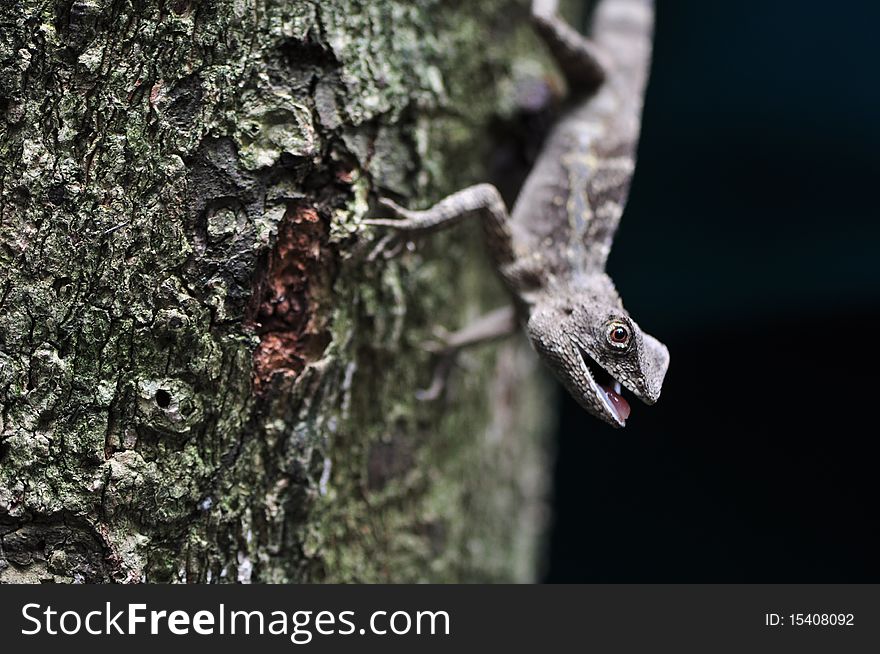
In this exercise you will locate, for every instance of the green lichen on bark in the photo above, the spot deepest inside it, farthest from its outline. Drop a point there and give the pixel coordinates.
(151, 153)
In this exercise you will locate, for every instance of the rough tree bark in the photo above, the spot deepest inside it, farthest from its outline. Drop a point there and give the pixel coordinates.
(203, 374)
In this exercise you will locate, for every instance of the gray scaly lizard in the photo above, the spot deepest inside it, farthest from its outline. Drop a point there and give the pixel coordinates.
(552, 249)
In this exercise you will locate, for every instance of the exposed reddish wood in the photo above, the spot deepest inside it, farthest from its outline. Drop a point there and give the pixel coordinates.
(284, 307)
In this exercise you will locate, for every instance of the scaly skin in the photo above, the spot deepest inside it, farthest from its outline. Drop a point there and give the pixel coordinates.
(552, 249)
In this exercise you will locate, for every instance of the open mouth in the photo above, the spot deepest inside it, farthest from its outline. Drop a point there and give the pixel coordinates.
(608, 388)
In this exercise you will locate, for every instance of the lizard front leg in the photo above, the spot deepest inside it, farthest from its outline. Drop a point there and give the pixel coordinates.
(482, 200)
(492, 326)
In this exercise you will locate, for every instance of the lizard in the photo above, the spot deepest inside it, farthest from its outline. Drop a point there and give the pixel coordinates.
(551, 249)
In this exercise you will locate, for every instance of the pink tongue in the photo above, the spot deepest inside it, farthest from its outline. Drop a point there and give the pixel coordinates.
(620, 404)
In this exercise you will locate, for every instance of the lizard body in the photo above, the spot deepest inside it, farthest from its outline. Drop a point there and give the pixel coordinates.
(551, 250)
(572, 200)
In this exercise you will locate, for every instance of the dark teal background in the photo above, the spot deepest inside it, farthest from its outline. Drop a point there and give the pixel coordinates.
(750, 246)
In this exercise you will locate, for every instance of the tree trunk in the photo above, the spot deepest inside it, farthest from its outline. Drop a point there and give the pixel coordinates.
(205, 375)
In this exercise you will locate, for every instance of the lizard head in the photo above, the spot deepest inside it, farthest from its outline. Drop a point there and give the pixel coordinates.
(596, 350)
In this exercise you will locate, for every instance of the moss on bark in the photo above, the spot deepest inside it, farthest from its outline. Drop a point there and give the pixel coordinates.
(204, 376)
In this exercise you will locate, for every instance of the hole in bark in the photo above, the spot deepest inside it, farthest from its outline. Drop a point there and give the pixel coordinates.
(180, 7)
(163, 398)
(60, 283)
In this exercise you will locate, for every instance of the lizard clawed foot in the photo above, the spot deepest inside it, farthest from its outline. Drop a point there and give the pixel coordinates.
(447, 353)
(396, 209)
(440, 380)
(388, 247)
(391, 244)
(440, 342)
(405, 221)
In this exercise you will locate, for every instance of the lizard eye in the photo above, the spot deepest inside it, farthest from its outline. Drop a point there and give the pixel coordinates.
(618, 335)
